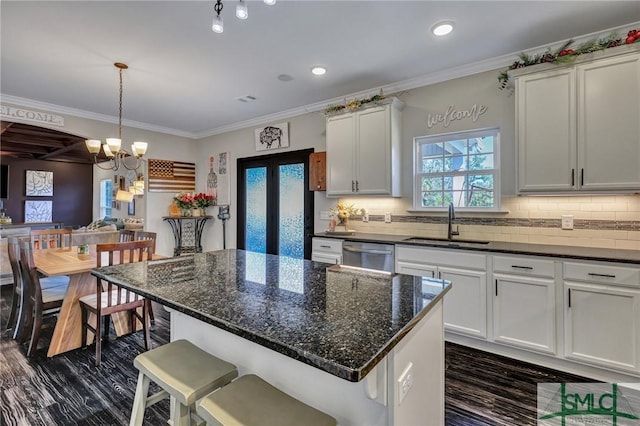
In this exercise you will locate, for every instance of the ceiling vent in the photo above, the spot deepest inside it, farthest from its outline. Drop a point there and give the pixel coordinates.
(247, 98)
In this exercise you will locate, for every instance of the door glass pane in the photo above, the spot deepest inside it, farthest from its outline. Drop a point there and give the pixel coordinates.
(291, 238)
(256, 216)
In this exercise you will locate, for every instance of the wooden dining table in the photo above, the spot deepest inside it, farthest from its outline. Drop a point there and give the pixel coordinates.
(67, 334)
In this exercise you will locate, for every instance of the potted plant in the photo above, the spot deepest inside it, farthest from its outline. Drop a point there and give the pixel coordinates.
(186, 202)
(202, 201)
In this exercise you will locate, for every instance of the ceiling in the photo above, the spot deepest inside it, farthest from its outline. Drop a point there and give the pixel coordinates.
(184, 79)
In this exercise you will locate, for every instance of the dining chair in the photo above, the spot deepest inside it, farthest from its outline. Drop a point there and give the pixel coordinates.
(110, 298)
(146, 235)
(51, 238)
(40, 305)
(21, 310)
(126, 235)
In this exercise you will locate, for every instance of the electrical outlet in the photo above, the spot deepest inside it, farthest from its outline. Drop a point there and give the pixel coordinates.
(387, 217)
(405, 381)
(365, 217)
(567, 221)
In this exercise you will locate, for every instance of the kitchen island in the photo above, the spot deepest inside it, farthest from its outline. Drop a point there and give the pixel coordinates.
(363, 346)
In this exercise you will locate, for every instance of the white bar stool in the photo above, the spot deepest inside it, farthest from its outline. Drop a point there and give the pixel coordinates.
(250, 401)
(183, 371)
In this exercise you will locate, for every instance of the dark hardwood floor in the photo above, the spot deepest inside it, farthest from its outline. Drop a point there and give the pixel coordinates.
(480, 388)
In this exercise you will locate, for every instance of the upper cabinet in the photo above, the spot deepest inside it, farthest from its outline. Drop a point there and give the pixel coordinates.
(578, 126)
(363, 151)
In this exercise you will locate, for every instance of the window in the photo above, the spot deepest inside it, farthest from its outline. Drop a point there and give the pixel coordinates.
(459, 168)
(105, 198)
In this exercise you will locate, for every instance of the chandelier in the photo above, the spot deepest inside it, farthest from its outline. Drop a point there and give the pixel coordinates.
(112, 147)
(242, 12)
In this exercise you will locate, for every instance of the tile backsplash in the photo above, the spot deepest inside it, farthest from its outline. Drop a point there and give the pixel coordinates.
(611, 221)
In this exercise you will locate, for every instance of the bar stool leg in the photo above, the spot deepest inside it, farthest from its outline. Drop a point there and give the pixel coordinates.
(180, 414)
(139, 401)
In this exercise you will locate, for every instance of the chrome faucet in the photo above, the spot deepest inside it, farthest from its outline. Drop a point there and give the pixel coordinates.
(452, 216)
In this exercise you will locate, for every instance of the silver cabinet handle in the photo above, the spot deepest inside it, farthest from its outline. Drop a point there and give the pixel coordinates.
(353, 186)
(357, 186)
(325, 246)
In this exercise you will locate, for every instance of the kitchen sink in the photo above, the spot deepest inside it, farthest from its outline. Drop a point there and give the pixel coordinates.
(452, 242)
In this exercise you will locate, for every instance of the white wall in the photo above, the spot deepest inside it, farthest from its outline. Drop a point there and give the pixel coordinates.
(305, 131)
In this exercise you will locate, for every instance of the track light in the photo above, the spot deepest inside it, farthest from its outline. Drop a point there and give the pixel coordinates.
(242, 12)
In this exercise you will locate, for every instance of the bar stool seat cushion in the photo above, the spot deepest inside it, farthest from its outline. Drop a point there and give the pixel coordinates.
(250, 400)
(184, 370)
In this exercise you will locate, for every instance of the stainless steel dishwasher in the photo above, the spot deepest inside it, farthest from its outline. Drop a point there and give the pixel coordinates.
(368, 255)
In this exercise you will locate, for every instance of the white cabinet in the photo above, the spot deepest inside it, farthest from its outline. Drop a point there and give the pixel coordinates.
(578, 126)
(327, 250)
(465, 306)
(602, 315)
(363, 151)
(524, 308)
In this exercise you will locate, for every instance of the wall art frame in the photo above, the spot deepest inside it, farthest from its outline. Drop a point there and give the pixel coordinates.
(38, 183)
(38, 211)
(272, 137)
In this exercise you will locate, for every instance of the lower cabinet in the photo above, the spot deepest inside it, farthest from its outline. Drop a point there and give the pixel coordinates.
(524, 307)
(465, 306)
(327, 250)
(524, 312)
(602, 315)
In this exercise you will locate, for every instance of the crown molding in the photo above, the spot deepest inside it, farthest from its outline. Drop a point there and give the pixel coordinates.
(425, 80)
(31, 103)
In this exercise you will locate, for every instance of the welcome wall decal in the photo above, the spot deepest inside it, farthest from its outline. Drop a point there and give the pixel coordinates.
(452, 114)
(28, 115)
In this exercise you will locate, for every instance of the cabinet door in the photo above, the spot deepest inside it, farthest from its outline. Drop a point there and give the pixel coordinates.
(524, 312)
(340, 154)
(415, 269)
(546, 131)
(602, 325)
(465, 306)
(373, 151)
(609, 123)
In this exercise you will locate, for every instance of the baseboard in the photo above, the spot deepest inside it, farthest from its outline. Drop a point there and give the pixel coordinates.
(568, 366)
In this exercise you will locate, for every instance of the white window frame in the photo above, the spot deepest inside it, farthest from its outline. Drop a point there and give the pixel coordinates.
(419, 141)
(105, 198)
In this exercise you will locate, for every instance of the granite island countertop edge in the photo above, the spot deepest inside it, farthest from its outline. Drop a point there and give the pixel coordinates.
(341, 371)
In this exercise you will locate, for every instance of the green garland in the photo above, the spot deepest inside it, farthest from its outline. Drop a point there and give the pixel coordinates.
(353, 104)
(564, 54)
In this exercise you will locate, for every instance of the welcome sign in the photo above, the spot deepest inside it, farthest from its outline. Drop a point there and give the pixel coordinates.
(12, 113)
(453, 114)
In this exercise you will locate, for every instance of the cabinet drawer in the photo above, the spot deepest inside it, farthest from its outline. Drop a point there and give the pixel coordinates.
(601, 273)
(524, 266)
(327, 245)
(441, 257)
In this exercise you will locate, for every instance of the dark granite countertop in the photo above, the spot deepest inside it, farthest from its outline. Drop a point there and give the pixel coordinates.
(570, 252)
(335, 319)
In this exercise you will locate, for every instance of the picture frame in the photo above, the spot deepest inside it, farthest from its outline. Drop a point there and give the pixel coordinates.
(38, 211)
(272, 137)
(38, 183)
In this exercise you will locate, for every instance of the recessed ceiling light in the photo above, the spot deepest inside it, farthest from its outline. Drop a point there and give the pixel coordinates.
(318, 70)
(442, 28)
